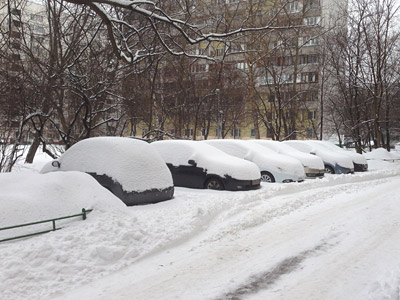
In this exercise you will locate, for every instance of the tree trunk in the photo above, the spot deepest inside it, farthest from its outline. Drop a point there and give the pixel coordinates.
(32, 150)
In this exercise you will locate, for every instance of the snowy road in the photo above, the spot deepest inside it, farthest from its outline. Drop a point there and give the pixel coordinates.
(337, 238)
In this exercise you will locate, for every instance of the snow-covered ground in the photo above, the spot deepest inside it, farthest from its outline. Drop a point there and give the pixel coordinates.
(334, 238)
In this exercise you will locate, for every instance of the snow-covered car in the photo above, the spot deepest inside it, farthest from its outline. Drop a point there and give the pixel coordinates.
(198, 165)
(334, 163)
(313, 165)
(359, 161)
(131, 169)
(274, 167)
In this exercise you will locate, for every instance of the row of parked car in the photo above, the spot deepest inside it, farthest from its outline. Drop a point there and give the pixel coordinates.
(139, 173)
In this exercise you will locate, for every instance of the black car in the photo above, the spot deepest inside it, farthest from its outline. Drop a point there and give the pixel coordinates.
(198, 165)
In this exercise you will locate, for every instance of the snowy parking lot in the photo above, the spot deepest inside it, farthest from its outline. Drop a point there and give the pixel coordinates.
(331, 238)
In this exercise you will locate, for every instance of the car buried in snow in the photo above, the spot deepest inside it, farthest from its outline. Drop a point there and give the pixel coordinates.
(360, 163)
(131, 169)
(313, 165)
(334, 163)
(273, 166)
(197, 165)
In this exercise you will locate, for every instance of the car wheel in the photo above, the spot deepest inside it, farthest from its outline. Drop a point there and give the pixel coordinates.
(267, 177)
(214, 184)
(329, 170)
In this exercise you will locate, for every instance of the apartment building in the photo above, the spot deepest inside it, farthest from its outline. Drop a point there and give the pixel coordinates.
(277, 88)
(21, 22)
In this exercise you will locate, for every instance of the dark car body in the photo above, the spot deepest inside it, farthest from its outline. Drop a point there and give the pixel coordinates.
(194, 177)
(193, 168)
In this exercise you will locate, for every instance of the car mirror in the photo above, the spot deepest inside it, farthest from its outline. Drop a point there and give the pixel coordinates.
(56, 164)
(192, 162)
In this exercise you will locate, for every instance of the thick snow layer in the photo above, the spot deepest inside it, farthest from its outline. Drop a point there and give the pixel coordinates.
(308, 160)
(281, 166)
(381, 154)
(31, 197)
(331, 238)
(327, 155)
(178, 153)
(133, 163)
(356, 157)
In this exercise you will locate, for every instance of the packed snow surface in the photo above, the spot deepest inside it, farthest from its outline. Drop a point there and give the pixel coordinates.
(331, 238)
(132, 163)
(215, 161)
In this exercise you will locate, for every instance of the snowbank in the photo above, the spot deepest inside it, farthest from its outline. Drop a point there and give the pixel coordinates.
(381, 154)
(29, 197)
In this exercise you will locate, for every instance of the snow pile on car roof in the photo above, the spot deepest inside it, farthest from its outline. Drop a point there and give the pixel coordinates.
(306, 159)
(215, 161)
(263, 157)
(381, 154)
(29, 197)
(133, 163)
(327, 155)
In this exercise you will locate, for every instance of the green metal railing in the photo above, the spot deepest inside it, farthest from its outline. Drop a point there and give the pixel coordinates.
(53, 221)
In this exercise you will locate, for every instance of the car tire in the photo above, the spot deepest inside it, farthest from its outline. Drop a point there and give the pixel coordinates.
(214, 183)
(329, 170)
(267, 177)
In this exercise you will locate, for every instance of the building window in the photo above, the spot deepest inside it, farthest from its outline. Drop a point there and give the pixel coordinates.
(235, 132)
(38, 29)
(312, 114)
(292, 7)
(270, 132)
(199, 68)
(204, 132)
(242, 66)
(309, 133)
(309, 77)
(252, 132)
(188, 132)
(313, 4)
(312, 21)
(17, 23)
(16, 12)
(219, 52)
(308, 41)
(37, 18)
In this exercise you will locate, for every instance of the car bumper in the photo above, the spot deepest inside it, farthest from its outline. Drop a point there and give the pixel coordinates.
(360, 167)
(242, 185)
(343, 170)
(314, 173)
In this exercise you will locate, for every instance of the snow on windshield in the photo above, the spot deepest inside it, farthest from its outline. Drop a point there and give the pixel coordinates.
(133, 163)
(210, 158)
